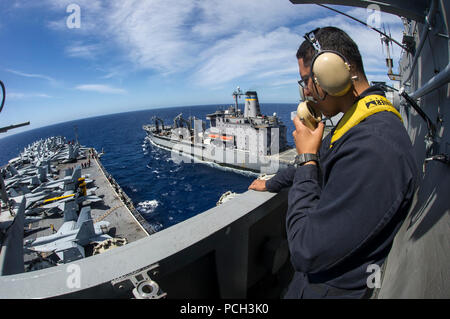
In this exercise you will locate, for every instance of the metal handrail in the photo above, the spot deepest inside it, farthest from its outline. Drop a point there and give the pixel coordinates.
(435, 82)
(425, 30)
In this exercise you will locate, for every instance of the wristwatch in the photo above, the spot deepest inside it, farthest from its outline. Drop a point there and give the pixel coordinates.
(301, 159)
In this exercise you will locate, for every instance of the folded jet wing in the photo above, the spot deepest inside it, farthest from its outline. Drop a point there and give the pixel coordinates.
(68, 242)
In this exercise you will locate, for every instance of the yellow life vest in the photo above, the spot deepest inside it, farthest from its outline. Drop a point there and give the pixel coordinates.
(362, 109)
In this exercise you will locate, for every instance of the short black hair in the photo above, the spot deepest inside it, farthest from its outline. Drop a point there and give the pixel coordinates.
(331, 38)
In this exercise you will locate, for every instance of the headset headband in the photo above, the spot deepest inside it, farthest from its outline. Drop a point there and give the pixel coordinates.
(311, 38)
(332, 74)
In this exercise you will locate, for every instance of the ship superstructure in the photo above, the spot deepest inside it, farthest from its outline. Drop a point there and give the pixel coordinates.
(231, 126)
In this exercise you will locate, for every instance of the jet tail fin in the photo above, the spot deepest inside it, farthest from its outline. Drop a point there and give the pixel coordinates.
(85, 215)
(85, 233)
(71, 153)
(24, 189)
(13, 192)
(70, 211)
(42, 173)
(76, 175)
(13, 170)
(3, 195)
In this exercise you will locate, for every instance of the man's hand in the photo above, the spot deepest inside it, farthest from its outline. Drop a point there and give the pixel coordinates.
(306, 140)
(258, 185)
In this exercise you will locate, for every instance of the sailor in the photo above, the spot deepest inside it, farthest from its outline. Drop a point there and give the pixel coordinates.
(349, 192)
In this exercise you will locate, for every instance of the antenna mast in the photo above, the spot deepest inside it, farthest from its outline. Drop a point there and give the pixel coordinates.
(386, 40)
(237, 94)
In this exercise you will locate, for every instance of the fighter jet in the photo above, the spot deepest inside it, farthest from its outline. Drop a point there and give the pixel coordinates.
(32, 200)
(68, 183)
(79, 198)
(31, 175)
(70, 154)
(53, 195)
(68, 242)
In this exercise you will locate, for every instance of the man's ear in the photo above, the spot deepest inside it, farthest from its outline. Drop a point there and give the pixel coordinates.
(354, 73)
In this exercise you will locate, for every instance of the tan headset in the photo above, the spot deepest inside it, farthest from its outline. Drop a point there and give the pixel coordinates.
(308, 115)
(330, 70)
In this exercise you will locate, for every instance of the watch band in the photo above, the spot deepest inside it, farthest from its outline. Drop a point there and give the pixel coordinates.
(301, 159)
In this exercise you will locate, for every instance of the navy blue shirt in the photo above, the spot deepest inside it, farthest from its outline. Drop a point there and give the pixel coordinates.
(343, 214)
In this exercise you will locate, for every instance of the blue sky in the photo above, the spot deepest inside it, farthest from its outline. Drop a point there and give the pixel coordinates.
(143, 54)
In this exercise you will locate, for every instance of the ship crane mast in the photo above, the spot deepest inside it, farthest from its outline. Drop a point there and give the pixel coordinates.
(237, 94)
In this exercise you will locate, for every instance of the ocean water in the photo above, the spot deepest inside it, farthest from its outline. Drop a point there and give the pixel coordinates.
(163, 191)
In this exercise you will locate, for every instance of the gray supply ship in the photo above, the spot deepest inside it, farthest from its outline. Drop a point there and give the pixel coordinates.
(245, 140)
(239, 248)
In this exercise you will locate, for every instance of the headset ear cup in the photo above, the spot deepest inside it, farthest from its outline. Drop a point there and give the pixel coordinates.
(308, 115)
(332, 73)
(316, 86)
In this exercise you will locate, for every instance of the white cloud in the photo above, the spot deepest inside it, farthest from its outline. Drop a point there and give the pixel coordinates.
(14, 95)
(149, 34)
(86, 6)
(32, 75)
(248, 54)
(218, 17)
(100, 88)
(111, 74)
(279, 72)
(20, 95)
(153, 34)
(215, 41)
(168, 35)
(279, 83)
(79, 50)
(43, 95)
